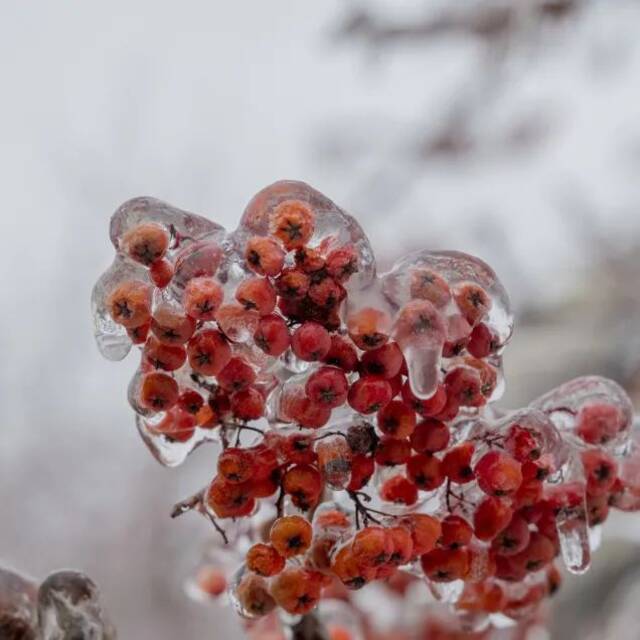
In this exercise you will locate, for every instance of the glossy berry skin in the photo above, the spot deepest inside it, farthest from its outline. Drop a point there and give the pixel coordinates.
(372, 546)
(445, 565)
(272, 335)
(190, 401)
(304, 484)
(514, 538)
(456, 532)
(311, 342)
(430, 436)
(208, 352)
(600, 471)
(327, 386)
(369, 394)
(396, 419)
(522, 444)
(264, 256)
(291, 536)
(425, 531)
(353, 574)
(158, 391)
(430, 407)
(498, 474)
(464, 385)
(162, 356)
(264, 560)
(362, 468)
(202, 298)
(425, 470)
(456, 464)
(296, 590)
(228, 500)
(480, 343)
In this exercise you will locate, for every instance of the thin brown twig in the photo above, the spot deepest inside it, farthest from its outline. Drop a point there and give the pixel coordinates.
(196, 503)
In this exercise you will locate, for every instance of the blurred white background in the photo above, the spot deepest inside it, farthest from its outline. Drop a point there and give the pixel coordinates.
(504, 128)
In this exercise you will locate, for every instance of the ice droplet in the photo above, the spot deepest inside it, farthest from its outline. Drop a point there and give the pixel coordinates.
(574, 543)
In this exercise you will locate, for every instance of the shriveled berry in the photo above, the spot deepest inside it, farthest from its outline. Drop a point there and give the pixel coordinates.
(362, 438)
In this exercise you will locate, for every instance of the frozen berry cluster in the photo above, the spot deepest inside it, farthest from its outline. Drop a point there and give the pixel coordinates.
(355, 411)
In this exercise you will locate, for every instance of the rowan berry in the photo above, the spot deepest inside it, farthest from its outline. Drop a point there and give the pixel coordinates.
(171, 326)
(326, 293)
(254, 597)
(236, 375)
(351, 573)
(247, 404)
(342, 263)
(130, 304)
(167, 357)
(372, 546)
(341, 354)
(297, 590)
(257, 294)
(229, 500)
(445, 565)
(327, 386)
(292, 222)
(369, 328)
(272, 335)
(304, 484)
(264, 256)
(426, 284)
(236, 465)
(396, 419)
(425, 531)
(425, 471)
(311, 342)
(264, 560)
(385, 361)
(430, 436)
(491, 516)
(464, 385)
(456, 532)
(512, 539)
(208, 352)
(177, 425)
(291, 536)
(145, 243)
(362, 438)
(498, 474)
(481, 343)
(309, 260)
(456, 464)
(202, 298)
(599, 423)
(473, 301)
(600, 471)
(190, 401)
(158, 391)
(392, 451)
(211, 580)
(161, 272)
(400, 490)
(369, 394)
(431, 406)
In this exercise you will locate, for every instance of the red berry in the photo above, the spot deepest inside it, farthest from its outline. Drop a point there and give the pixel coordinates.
(309, 260)
(385, 361)
(491, 516)
(264, 256)
(399, 490)
(161, 272)
(481, 343)
(341, 354)
(236, 375)
(465, 386)
(292, 222)
(247, 404)
(430, 407)
(369, 328)
(342, 263)
(327, 386)
(167, 357)
(426, 284)
(522, 444)
(456, 464)
(145, 243)
(202, 298)
(473, 301)
(456, 532)
(392, 451)
(293, 284)
(236, 465)
(257, 294)
(158, 391)
(130, 304)
(599, 423)
(425, 471)
(498, 474)
(304, 484)
(445, 565)
(171, 326)
(430, 436)
(396, 419)
(369, 394)
(190, 401)
(514, 538)
(425, 531)
(208, 352)
(326, 293)
(362, 468)
(272, 335)
(539, 552)
(600, 471)
(311, 342)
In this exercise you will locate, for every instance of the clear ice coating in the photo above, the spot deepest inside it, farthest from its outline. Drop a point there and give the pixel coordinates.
(18, 617)
(216, 316)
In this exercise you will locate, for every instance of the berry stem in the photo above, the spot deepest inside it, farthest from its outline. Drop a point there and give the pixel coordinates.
(196, 503)
(361, 510)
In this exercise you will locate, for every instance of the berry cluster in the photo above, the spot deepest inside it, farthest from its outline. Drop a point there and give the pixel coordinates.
(355, 412)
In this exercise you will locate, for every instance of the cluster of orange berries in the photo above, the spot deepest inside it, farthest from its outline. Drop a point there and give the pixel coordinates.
(364, 400)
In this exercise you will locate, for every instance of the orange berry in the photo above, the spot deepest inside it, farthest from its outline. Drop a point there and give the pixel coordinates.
(402, 545)
(297, 591)
(208, 352)
(397, 419)
(372, 547)
(254, 597)
(236, 322)
(445, 565)
(177, 425)
(171, 326)
(167, 357)
(291, 536)
(473, 301)
(158, 391)
(236, 465)
(264, 560)
(369, 328)
(425, 532)
(145, 243)
(130, 303)
(352, 573)
(211, 581)
(257, 294)
(292, 222)
(230, 500)
(426, 284)
(304, 484)
(264, 256)
(202, 298)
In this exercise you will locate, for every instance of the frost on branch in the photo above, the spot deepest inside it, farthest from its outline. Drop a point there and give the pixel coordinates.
(361, 446)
